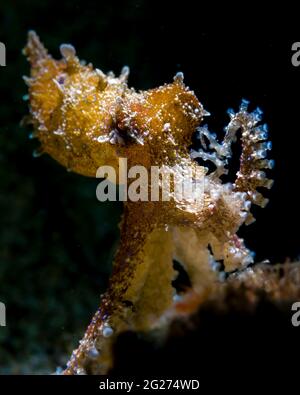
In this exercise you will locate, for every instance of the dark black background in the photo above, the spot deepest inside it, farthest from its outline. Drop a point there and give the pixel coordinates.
(56, 240)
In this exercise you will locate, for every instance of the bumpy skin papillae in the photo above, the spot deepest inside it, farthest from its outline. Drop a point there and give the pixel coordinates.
(85, 119)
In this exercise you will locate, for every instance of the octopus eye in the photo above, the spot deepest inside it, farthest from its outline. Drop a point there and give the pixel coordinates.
(61, 80)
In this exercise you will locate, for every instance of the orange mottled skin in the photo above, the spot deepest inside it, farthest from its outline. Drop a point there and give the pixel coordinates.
(85, 119)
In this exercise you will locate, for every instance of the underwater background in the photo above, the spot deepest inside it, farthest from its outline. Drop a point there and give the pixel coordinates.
(56, 240)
